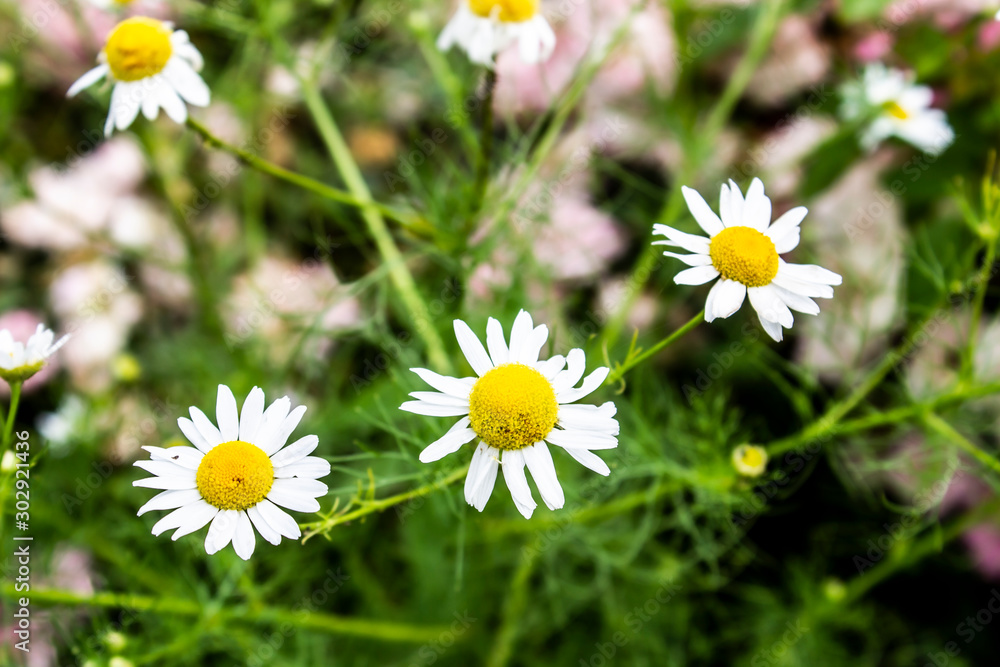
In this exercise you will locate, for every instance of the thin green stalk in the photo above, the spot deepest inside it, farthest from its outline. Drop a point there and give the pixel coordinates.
(299, 180)
(760, 40)
(825, 425)
(398, 271)
(948, 431)
(633, 361)
(15, 400)
(372, 506)
(486, 154)
(315, 620)
(978, 299)
(513, 611)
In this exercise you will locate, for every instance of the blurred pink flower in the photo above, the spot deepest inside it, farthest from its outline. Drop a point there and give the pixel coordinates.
(946, 14)
(22, 324)
(873, 47)
(281, 300)
(579, 241)
(983, 543)
(95, 302)
(989, 36)
(798, 60)
(74, 204)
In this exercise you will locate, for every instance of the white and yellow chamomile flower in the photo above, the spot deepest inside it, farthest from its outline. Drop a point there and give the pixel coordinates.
(515, 405)
(750, 460)
(484, 28)
(236, 475)
(896, 107)
(19, 361)
(742, 250)
(152, 66)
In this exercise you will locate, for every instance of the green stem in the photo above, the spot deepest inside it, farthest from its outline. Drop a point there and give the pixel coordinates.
(760, 40)
(15, 399)
(513, 611)
(315, 620)
(299, 180)
(372, 506)
(823, 427)
(948, 431)
(486, 156)
(398, 271)
(632, 362)
(978, 299)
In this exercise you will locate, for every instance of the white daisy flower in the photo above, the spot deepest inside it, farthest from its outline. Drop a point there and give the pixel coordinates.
(153, 66)
(742, 250)
(484, 28)
(750, 460)
(19, 361)
(898, 109)
(236, 475)
(514, 407)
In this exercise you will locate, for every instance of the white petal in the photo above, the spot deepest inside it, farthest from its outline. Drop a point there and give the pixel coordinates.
(288, 497)
(690, 260)
(169, 500)
(449, 443)
(226, 413)
(543, 471)
(589, 418)
(310, 467)
(472, 348)
(167, 483)
(787, 225)
(689, 242)
(701, 211)
(532, 346)
(187, 519)
(769, 306)
(221, 532)
(271, 426)
(590, 384)
(262, 526)
(699, 275)
(205, 427)
(496, 343)
(187, 82)
(803, 288)
(299, 449)
(773, 329)
(802, 304)
(279, 520)
(519, 333)
(513, 474)
(191, 432)
(810, 273)
(459, 388)
(581, 439)
(725, 299)
(589, 460)
(311, 488)
(551, 367)
(126, 100)
(168, 98)
(184, 456)
(87, 80)
(244, 539)
(431, 410)
(757, 211)
(437, 398)
(576, 364)
(482, 476)
(734, 197)
(287, 426)
(165, 469)
(252, 415)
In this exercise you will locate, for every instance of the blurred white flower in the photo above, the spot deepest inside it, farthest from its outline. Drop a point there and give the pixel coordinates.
(59, 427)
(19, 361)
(514, 407)
(484, 28)
(152, 66)
(742, 251)
(896, 108)
(236, 475)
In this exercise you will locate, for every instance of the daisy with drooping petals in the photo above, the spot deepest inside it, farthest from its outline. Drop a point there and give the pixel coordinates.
(236, 475)
(484, 28)
(19, 361)
(899, 109)
(742, 250)
(514, 407)
(153, 66)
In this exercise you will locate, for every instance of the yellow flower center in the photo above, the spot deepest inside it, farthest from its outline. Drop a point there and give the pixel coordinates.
(750, 460)
(512, 406)
(896, 111)
(235, 476)
(745, 255)
(508, 11)
(138, 48)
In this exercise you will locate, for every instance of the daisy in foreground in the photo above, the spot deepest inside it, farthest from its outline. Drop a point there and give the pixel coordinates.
(19, 361)
(742, 250)
(898, 108)
(484, 28)
(152, 66)
(514, 407)
(236, 475)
